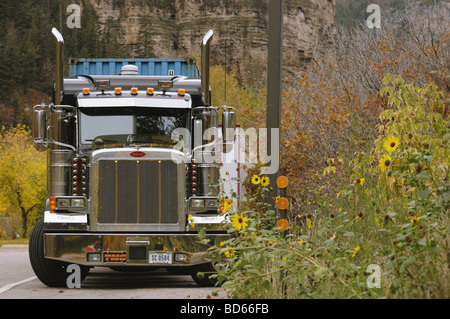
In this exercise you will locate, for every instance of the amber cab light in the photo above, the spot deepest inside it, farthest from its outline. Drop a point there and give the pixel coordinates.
(52, 203)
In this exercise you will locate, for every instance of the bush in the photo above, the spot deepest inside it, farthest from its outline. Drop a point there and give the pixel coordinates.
(385, 235)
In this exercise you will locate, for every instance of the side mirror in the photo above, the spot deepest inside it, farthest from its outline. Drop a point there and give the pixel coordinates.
(39, 129)
(229, 125)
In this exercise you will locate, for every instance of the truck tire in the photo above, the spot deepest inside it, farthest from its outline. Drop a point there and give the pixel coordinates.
(50, 272)
(201, 274)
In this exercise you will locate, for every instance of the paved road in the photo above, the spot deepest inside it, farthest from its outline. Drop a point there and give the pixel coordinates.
(17, 281)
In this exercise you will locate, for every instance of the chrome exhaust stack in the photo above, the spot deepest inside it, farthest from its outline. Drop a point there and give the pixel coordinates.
(206, 44)
(59, 72)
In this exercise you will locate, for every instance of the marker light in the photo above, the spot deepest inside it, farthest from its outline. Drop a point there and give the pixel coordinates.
(165, 84)
(86, 91)
(181, 92)
(150, 91)
(118, 91)
(134, 91)
(52, 203)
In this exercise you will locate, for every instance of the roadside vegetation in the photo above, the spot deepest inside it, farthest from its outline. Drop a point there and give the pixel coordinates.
(365, 145)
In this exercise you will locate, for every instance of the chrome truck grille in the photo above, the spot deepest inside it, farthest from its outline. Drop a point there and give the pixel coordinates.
(138, 195)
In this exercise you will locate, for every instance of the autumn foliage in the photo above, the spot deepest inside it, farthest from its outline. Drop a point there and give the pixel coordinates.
(331, 111)
(22, 180)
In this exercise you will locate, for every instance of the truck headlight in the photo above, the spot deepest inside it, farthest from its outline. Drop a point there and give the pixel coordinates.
(67, 203)
(197, 203)
(77, 203)
(212, 203)
(62, 203)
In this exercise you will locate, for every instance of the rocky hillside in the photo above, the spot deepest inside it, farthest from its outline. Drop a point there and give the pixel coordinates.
(174, 29)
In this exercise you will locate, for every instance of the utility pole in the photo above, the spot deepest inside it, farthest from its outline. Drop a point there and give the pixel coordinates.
(274, 78)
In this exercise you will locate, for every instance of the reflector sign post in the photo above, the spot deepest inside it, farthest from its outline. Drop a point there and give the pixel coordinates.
(283, 203)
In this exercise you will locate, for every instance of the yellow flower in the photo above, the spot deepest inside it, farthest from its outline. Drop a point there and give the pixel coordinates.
(230, 252)
(391, 143)
(191, 221)
(225, 205)
(355, 251)
(256, 179)
(265, 181)
(239, 221)
(385, 162)
(309, 223)
(301, 242)
(359, 181)
(414, 219)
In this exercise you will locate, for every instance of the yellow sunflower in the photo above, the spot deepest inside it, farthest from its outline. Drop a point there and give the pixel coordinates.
(265, 181)
(227, 205)
(385, 162)
(191, 221)
(414, 219)
(355, 251)
(391, 143)
(239, 221)
(359, 181)
(256, 179)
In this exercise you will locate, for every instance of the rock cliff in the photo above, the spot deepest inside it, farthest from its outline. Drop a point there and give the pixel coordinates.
(174, 29)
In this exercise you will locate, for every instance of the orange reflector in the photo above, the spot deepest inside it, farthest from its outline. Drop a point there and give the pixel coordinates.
(282, 182)
(118, 91)
(134, 91)
(283, 203)
(283, 224)
(52, 203)
(150, 91)
(181, 92)
(86, 91)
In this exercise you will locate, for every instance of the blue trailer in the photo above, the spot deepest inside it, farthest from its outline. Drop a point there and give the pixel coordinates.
(147, 67)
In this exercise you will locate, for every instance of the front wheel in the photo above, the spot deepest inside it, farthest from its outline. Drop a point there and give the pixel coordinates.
(50, 272)
(202, 275)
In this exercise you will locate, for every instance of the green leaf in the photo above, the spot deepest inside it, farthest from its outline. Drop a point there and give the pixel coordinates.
(266, 285)
(407, 263)
(349, 234)
(423, 242)
(320, 273)
(424, 194)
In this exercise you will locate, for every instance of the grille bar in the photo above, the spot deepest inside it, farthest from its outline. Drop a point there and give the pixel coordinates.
(137, 192)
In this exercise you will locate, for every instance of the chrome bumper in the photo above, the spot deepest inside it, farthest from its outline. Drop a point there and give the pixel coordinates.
(116, 250)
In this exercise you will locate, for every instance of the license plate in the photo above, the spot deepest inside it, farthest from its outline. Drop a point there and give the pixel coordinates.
(160, 258)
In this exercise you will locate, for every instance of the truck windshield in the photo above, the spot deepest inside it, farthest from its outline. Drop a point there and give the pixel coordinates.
(118, 127)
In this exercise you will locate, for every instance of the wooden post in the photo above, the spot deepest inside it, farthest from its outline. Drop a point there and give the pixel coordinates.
(274, 77)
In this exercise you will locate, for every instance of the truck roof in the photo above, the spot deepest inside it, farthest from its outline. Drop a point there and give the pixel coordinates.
(74, 86)
(139, 99)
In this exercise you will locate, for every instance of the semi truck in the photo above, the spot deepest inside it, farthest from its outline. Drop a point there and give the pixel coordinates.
(132, 161)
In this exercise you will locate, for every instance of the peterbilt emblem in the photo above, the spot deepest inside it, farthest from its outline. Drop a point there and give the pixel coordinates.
(138, 154)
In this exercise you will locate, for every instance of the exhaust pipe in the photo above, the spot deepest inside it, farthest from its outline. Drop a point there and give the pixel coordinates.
(206, 43)
(59, 72)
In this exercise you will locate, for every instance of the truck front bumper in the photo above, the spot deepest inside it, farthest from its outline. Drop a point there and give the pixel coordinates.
(117, 250)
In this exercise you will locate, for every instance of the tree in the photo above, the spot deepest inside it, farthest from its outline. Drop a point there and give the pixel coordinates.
(22, 176)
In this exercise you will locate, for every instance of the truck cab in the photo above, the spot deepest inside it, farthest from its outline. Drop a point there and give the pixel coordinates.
(133, 160)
